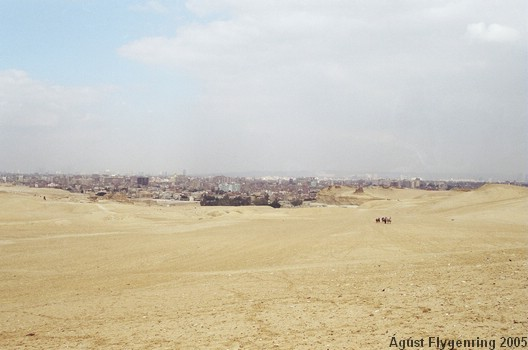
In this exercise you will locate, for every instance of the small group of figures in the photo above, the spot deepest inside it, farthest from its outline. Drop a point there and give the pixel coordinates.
(385, 220)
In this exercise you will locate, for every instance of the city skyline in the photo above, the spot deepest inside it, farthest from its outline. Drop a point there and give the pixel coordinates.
(278, 175)
(265, 87)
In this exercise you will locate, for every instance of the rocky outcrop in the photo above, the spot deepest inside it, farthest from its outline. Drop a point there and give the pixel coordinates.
(344, 195)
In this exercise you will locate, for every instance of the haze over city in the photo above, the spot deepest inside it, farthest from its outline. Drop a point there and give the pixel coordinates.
(233, 86)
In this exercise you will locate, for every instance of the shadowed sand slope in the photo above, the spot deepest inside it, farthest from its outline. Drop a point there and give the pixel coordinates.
(82, 274)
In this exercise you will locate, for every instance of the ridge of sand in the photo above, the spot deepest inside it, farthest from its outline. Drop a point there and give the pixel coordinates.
(82, 274)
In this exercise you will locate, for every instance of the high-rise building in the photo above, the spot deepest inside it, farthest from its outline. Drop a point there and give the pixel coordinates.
(142, 181)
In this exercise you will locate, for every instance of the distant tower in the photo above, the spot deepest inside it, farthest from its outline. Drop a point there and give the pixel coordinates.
(184, 172)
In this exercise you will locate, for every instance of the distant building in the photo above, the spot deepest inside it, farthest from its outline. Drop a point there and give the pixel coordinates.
(229, 187)
(416, 183)
(142, 181)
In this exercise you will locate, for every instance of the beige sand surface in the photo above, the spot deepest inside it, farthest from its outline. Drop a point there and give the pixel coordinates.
(77, 274)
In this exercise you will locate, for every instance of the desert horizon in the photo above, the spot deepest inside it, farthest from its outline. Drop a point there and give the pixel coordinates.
(84, 274)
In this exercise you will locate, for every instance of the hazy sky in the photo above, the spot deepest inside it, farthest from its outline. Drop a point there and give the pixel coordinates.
(222, 86)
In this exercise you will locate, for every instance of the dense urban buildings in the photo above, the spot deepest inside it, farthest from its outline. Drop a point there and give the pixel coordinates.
(217, 190)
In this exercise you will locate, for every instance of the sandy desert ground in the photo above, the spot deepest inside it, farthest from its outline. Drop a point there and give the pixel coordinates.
(77, 274)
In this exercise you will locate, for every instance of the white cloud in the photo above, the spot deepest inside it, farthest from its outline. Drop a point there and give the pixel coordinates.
(291, 85)
(447, 10)
(293, 72)
(149, 6)
(26, 102)
(492, 33)
(276, 42)
(53, 127)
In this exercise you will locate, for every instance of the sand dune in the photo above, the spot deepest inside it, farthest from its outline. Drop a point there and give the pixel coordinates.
(84, 275)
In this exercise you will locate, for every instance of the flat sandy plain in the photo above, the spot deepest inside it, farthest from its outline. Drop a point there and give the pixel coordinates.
(77, 274)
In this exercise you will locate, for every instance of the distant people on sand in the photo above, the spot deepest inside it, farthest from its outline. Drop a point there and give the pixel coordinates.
(385, 220)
